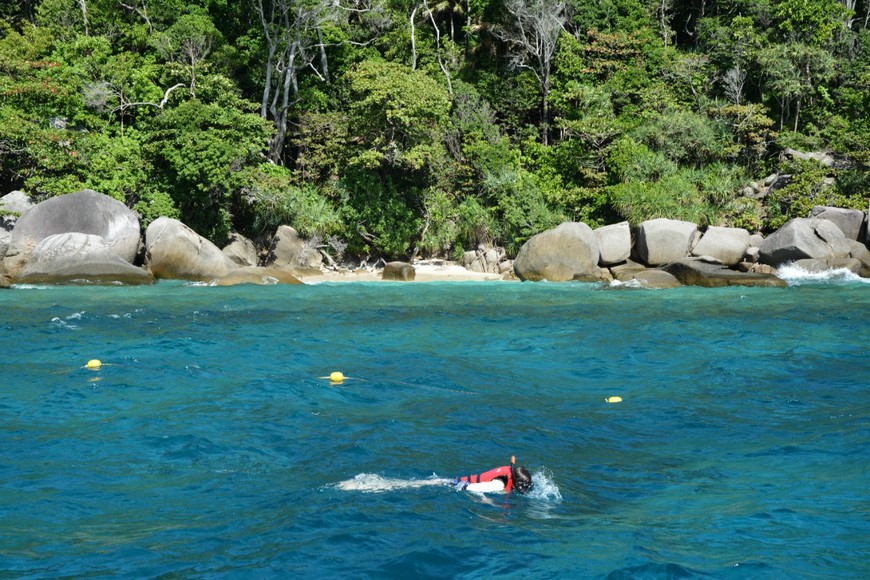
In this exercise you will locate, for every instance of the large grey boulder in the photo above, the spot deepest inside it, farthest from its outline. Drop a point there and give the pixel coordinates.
(850, 221)
(78, 258)
(84, 212)
(702, 272)
(174, 251)
(288, 250)
(561, 254)
(241, 250)
(614, 243)
(401, 271)
(12, 206)
(803, 238)
(728, 245)
(663, 240)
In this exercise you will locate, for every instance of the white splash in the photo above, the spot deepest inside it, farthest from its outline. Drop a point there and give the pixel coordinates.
(633, 283)
(796, 276)
(374, 483)
(543, 486)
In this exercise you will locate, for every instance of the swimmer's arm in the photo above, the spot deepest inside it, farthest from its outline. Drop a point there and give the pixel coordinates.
(486, 486)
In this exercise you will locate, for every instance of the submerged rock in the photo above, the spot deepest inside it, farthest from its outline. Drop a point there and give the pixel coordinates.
(701, 272)
(256, 275)
(649, 278)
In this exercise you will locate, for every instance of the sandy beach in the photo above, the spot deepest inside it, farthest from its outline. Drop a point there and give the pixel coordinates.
(425, 272)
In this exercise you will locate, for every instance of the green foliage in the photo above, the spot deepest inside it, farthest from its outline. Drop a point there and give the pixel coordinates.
(440, 225)
(745, 213)
(751, 132)
(684, 137)
(633, 161)
(156, 105)
(648, 185)
(794, 74)
(810, 184)
(276, 200)
(811, 21)
(198, 151)
(674, 196)
(386, 218)
(398, 113)
(523, 207)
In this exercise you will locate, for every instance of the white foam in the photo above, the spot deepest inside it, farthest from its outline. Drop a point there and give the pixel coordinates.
(633, 283)
(543, 486)
(374, 483)
(796, 276)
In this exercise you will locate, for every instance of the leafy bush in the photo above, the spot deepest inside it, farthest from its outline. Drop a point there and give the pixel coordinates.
(810, 184)
(275, 200)
(198, 150)
(674, 197)
(683, 136)
(383, 214)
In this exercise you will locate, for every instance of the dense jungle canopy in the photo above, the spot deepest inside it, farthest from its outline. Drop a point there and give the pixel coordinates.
(403, 128)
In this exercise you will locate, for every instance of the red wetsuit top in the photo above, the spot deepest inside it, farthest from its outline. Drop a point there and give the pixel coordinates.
(503, 472)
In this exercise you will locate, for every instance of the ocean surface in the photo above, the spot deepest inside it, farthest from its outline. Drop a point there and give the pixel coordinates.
(212, 444)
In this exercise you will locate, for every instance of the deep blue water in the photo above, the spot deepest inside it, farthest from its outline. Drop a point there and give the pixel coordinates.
(210, 446)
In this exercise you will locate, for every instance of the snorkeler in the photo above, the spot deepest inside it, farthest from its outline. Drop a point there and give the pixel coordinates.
(507, 478)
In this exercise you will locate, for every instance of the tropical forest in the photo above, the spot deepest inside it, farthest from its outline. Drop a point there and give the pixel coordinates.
(420, 128)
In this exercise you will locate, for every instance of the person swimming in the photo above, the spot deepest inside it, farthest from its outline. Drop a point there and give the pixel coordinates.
(506, 478)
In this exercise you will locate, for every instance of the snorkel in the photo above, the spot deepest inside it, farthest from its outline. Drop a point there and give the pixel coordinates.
(520, 477)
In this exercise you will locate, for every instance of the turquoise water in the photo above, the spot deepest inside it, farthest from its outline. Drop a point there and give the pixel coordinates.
(209, 446)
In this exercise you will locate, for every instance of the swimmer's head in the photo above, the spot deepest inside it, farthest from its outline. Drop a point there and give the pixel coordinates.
(522, 478)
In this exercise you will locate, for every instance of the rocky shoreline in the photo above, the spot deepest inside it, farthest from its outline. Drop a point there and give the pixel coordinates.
(90, 238)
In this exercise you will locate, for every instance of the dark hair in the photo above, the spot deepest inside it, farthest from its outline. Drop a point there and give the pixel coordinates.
(522, 478)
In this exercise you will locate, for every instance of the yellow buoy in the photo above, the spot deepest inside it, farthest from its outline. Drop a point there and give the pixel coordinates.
(336, 377)
(613, 399)
(94, 364)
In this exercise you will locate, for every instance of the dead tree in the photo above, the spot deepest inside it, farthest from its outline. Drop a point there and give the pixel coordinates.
(292, 30)
(532, 37)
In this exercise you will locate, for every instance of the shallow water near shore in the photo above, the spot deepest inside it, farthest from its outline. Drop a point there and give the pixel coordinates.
(211, 442)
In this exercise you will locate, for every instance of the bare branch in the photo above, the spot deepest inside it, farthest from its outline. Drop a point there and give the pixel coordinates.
(438, 47)
(143, 12)
(126, 105)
